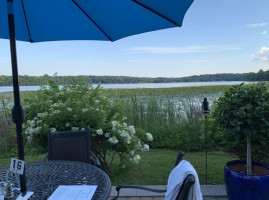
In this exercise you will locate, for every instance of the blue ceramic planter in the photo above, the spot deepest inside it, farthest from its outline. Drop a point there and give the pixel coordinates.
(246, 187)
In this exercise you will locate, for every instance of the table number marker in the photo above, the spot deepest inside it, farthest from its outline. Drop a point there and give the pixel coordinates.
(17, 166)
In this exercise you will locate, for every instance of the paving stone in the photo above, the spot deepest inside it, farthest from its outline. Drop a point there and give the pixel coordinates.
(158, 198)
(210, 192)
(144, 193)
(209, 198)
(213, 190)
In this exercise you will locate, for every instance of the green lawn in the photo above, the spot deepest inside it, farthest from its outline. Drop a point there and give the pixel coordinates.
(156, 164)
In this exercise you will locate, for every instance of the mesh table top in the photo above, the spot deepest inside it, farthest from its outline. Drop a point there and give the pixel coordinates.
(44, 177)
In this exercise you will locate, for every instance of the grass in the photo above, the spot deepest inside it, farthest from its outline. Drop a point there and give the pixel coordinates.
(155, 166)
(179, 91)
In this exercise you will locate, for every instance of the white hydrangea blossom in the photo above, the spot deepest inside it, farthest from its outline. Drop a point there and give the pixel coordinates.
(124, 125)
(69, 109)
(128, 139)
(132, 152)
(107, 135)
(31, 122)
(41, 115)
(131, 129)
(55, 105)
(138, 146)
(97, 101)
(113, 140)
(56, 111)
(124, 118)
(85, 110)
(145, 148)
(67, 124)
(29, 138)
(123, 133)
(53, 129)
(114, 123)
(99, 132)
(149, 137)
(135, 159)
(30, 130)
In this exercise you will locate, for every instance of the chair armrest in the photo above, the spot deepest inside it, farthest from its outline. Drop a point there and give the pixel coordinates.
(185, 188)
(136, 187)
(46, 158)
(95, 159)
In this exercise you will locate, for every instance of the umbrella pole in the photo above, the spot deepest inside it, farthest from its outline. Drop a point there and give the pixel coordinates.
(17, 110)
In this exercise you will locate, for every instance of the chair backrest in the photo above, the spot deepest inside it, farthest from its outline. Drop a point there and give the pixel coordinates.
(187, 183)
(185, 188)
(69, 145)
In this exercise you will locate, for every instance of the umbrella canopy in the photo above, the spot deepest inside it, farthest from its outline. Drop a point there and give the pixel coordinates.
(50, 20)
(53, 20)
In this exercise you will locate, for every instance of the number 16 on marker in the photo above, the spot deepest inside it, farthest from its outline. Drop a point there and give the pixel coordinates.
(16, 166)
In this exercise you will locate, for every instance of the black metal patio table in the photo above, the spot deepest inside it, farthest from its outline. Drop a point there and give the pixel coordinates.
(44, 177)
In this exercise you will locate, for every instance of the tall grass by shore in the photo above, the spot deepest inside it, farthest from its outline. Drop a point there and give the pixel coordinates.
(168, 92)
(172, 115)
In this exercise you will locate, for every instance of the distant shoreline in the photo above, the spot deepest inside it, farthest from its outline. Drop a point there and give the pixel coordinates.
(139, 85)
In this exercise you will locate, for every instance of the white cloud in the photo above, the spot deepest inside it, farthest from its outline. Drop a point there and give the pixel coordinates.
(262, 55)
(230, 49)
(194, 61)
(138, 61)
(264, 32)
(177, 50)
(256, 25)
(58, 63)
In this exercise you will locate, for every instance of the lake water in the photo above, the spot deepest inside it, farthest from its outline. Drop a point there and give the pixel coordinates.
(138, 85)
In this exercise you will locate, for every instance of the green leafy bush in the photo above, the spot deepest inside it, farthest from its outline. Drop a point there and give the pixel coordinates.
(73, 107)
(243, 112)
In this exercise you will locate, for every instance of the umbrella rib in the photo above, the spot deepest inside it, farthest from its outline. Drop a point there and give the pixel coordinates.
(92, 20)
(155, 12)
(27, 25)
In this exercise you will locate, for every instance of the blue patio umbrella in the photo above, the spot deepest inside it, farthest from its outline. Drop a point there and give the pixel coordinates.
(54, 20)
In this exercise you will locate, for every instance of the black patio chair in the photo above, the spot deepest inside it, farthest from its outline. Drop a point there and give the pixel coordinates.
(71, 146)
(184, 189)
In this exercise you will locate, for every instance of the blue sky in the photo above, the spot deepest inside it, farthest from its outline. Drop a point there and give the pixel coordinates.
(217, 36)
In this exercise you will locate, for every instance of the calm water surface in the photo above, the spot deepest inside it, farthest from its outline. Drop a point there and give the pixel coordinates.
(138, 85)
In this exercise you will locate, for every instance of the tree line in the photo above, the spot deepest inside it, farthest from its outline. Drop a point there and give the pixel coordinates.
(43, 80)
(259, 76)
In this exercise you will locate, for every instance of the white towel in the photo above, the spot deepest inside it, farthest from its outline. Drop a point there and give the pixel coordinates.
(176, 178)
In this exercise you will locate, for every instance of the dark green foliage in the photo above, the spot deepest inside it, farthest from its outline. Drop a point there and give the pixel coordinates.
(244, 111)
(259, 76)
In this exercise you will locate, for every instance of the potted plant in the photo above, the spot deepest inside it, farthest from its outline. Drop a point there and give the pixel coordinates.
(243, 112)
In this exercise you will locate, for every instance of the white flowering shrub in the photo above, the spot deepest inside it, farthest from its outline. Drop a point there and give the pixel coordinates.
(76, 106)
